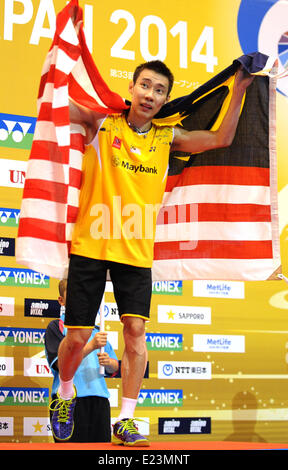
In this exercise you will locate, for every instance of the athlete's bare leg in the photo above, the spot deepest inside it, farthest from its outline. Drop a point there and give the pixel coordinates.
(134, 360)
(70, 353)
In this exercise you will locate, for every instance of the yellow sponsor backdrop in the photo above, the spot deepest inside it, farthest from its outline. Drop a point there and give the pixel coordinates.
(246, 396)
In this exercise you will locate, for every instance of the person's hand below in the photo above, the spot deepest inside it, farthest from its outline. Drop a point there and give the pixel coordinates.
(99, 340)
(104, 359)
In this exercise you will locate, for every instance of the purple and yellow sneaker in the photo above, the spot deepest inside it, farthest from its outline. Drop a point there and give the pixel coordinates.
(125, 432)
(62, 418)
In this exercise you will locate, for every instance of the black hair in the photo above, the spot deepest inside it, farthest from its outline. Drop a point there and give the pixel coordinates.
(157, 66)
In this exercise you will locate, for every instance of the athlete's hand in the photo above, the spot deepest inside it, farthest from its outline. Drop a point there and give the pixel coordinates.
(242, 79)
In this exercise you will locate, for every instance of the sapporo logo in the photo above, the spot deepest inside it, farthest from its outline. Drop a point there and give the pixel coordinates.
(16, 131)
(23, 278)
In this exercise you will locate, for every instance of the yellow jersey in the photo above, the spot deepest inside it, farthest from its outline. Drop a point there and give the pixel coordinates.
(123, 182)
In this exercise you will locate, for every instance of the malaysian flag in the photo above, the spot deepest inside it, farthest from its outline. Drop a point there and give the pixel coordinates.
(219, 218)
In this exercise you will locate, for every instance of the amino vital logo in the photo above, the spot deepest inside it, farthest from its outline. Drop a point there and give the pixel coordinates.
(164, 342)
(167, 287)
(22, 337)
(23, 278)
(16, 131)
(24, 396)
(160, 398)
(7, 246)
(9, 217)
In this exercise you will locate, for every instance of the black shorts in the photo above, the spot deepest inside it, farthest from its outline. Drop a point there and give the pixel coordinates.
(87, 277)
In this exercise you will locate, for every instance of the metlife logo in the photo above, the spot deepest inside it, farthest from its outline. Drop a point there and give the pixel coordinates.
(164, 342)
(14, 277)
(219, 343)
(219, 289)
(161, 398)
(184, 370)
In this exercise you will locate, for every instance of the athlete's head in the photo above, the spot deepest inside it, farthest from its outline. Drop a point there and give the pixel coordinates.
(158, 67)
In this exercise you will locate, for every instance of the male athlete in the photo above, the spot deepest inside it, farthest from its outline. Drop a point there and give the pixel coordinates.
(125, 168)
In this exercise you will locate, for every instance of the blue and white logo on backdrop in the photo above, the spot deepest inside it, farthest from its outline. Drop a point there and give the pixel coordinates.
(263, 26)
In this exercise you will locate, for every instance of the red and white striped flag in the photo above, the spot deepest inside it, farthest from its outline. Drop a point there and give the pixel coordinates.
(219, 218)
(53, 178)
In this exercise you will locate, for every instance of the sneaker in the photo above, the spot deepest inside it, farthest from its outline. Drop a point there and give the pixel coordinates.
(62, 418)
(125, 432)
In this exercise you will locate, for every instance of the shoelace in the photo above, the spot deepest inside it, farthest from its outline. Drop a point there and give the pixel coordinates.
(63, 408)
(128, 426)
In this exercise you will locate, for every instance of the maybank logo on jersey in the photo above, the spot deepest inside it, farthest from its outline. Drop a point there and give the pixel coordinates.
(167, 287)
(10, 396)
(16, 131)
(23, 278)
(21, 337)
(135, 168)
(9, 217)
(160, 398)
(164, 342)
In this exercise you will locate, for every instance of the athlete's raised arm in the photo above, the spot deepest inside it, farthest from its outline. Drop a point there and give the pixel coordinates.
(88, 118)
(200, 141)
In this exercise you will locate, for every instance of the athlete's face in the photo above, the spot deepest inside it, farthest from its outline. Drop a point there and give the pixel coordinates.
(149, 94)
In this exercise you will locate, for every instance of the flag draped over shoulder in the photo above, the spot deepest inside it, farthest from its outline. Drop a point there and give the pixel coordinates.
(219, 218)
